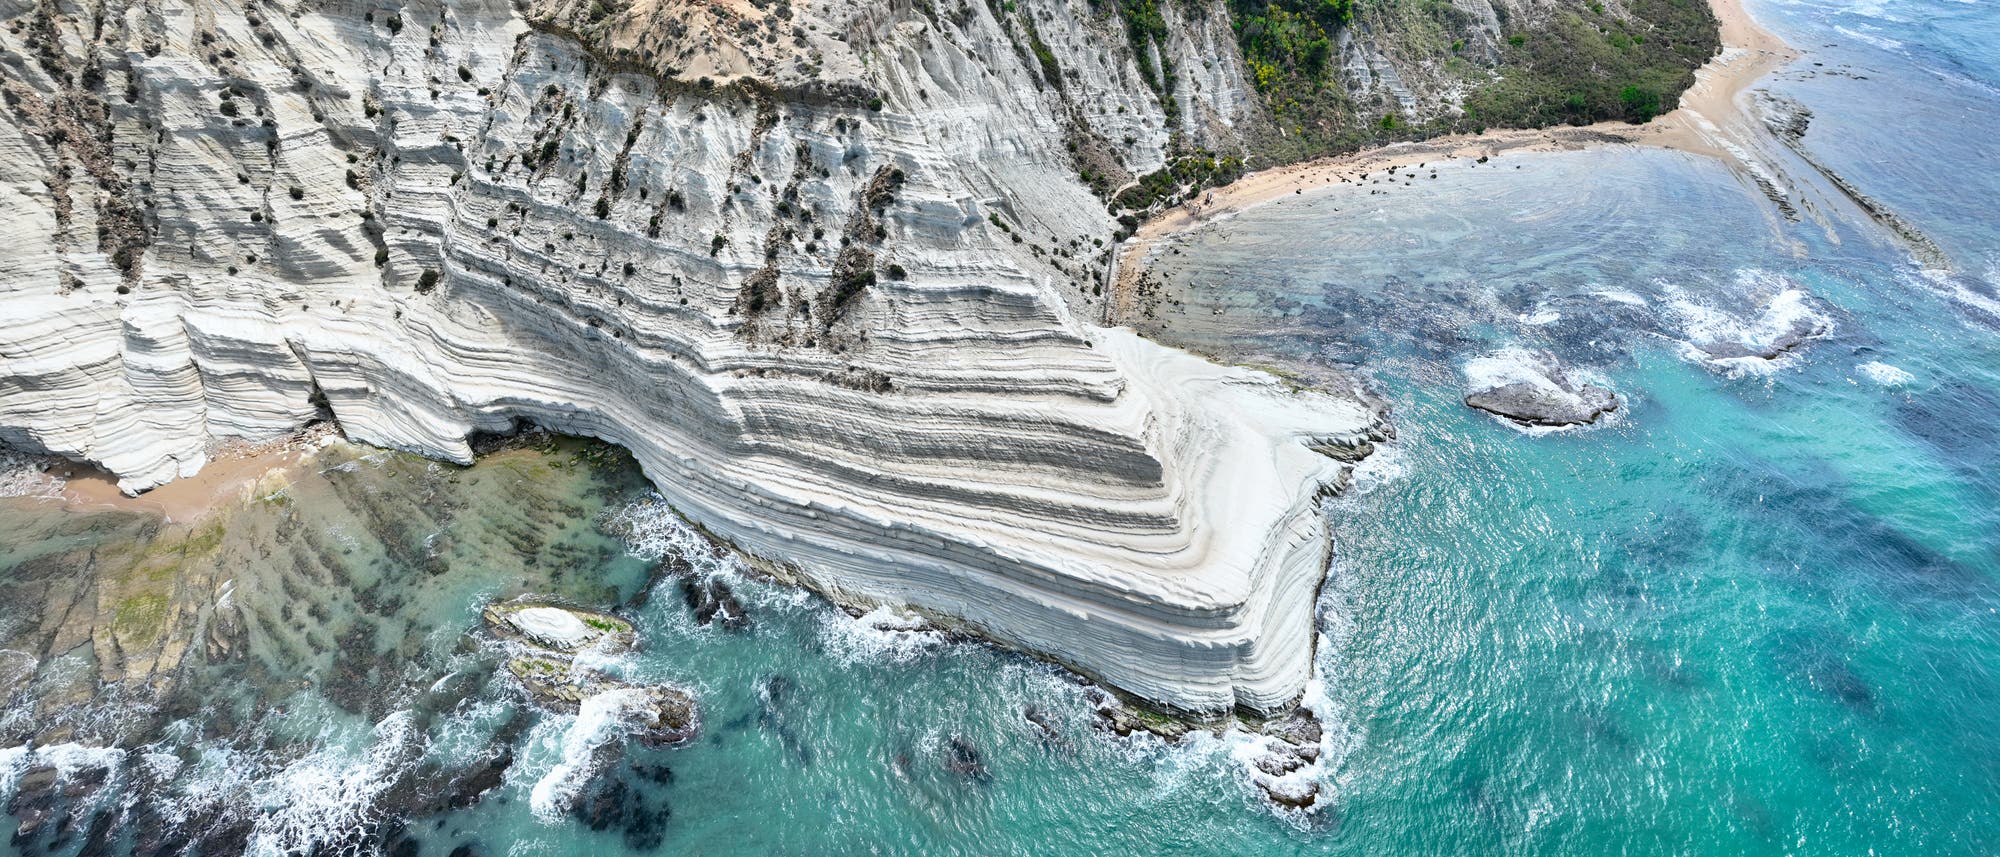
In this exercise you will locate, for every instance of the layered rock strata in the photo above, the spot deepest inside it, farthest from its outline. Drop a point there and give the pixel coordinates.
(829, 310)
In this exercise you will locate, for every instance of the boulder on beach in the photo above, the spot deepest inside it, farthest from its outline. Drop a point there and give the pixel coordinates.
(1531, 388)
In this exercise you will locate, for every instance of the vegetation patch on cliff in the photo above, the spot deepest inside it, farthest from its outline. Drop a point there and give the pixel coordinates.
(1592, 64)
(1324, 68)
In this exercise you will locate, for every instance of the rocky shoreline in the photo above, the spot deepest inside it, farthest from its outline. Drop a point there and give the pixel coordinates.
(543, 641)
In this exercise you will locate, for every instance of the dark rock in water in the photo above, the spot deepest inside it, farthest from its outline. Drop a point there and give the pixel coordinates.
(1296, 748)
(712, 601)
(83, 782)
(775, 689)
(773, 697)
(1278, 765)
(660, 774)
(1782, 342)
(1043, 722)
(403, 846)
(1121, 720)
(1531, 388)
(1301, 794)
(37, 784)
(544, 637)
(1754, 326)
(669, 718)
(965, 760)
(33, 803)
(31, 819)
(616, 804)
(1533, 404)
(467, 850)
(483, 778)
(1302, 728)
(101, 840)
(603, 808)
(229, 836)
(728, 608)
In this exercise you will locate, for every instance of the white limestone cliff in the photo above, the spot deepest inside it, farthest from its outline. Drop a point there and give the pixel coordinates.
(837, 332)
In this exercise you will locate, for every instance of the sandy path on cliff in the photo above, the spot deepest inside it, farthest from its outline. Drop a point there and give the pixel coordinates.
(1709, 122)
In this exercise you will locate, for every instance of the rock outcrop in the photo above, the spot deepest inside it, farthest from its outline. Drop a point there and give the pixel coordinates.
(1531, 388)
(831, 310)
(543, 641)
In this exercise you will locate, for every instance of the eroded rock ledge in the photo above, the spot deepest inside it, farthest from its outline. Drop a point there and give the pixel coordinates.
(836, 332)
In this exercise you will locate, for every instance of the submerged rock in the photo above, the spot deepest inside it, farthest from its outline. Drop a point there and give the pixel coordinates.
(1051, 732)
(966, 761)
(1773, 318)
(713, 602)
(1531, 388)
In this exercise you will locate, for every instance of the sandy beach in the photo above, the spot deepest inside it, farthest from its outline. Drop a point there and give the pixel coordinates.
(1708, 122)
(235, 472)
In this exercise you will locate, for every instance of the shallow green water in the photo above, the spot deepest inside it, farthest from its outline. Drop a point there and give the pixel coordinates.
(1757, 612)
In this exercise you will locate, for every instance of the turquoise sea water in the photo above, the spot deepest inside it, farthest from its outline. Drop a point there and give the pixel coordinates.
(1758, 612)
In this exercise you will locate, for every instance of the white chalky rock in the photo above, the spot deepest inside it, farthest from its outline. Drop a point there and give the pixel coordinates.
(461, 222)
(552, 626)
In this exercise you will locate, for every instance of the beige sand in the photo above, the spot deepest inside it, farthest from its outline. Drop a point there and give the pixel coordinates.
(234, 473)
(1707, 119)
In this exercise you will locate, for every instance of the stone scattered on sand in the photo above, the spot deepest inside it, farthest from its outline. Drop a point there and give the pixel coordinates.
(1531, 388)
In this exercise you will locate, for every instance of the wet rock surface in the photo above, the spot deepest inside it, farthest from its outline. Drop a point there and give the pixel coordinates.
(1538, 405)
(965, 760)
(1115, 716)
(543, 640)
(713, 603)
(1531, 388)
(1780, 341)
(1284, 770)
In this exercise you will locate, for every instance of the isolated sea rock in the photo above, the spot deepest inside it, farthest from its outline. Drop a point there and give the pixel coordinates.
(712, 601)
(558, 628)
(543, 642)
(1531, 388)
(1762, 320)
